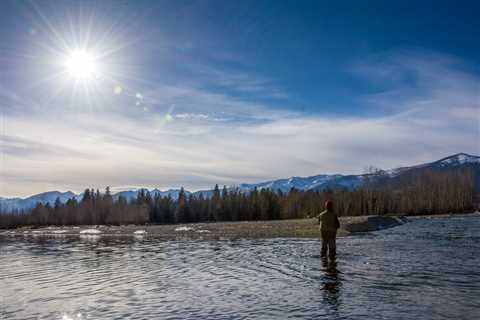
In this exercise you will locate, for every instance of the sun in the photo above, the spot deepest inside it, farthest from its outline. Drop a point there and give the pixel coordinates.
(82, 65)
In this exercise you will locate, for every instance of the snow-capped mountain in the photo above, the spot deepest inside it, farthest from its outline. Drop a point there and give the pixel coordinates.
(284, 185)
(8, 204)
(318, 182)
(456, 160)
(132, 194)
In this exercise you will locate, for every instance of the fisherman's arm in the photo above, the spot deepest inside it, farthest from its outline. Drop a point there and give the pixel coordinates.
(319, 217)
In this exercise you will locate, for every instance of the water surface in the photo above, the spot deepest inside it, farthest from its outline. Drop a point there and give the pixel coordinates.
(427, 269)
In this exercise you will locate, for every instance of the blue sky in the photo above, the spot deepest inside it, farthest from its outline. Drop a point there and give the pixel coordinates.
(195, 93)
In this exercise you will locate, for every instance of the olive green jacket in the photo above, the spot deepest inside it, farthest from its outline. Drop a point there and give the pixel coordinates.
(328, 221)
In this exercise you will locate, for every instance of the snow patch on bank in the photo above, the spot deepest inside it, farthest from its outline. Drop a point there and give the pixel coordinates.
(184, 228)
(90, 231)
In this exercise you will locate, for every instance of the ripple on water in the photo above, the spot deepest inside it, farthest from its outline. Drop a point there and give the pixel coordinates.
(397, 273)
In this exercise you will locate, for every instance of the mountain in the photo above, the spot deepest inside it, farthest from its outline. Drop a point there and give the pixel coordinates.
(452, 163)
(30, 202)
(317, 182)
(132, 194)
(456, 160)
(285, 185)
(322, 181)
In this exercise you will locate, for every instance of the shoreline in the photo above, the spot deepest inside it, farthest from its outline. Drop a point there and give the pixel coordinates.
(296, 228)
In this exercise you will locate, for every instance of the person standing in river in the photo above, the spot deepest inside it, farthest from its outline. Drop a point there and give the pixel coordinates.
(329, 225)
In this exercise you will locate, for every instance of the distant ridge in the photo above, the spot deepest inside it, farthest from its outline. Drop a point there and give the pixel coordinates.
(317, 182)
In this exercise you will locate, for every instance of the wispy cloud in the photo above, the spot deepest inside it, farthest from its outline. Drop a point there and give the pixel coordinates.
(238, 82)
(21, 147)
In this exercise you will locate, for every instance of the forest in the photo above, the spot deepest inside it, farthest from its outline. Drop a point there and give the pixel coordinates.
(426, 192)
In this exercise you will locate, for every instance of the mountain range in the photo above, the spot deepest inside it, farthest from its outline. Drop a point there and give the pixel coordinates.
(317, 182)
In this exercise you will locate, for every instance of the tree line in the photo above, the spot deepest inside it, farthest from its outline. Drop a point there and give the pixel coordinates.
(426, 192)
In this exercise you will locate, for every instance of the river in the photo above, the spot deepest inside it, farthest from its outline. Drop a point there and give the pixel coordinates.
(425, 269)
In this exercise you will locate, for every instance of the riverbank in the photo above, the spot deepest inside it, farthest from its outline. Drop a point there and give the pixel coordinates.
(299, 228)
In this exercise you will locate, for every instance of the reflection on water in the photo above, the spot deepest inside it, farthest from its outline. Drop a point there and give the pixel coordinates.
(331, 283)
(427, 269)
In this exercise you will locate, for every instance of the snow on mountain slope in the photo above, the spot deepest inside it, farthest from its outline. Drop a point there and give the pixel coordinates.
(30, 202)
(286, 185)
(457, 160)
(132, 194)
(452, 161)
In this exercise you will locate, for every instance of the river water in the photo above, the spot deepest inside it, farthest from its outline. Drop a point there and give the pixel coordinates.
(426, 269)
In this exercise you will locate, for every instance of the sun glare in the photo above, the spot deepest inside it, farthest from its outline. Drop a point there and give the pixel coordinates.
(82, 65)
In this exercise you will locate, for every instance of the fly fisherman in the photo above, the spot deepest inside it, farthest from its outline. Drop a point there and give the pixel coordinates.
(329, 224)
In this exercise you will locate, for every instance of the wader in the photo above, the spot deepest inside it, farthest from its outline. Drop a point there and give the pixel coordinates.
(329, 243)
